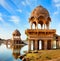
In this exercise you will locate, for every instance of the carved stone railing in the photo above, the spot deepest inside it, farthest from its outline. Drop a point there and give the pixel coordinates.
(40, 31)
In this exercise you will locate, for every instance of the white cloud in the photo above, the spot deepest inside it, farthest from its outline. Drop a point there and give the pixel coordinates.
(57, 5)
(15, 19)
(6, 6)
(56, 12)
(19, 10)
(1, 18)
(58, 29)
(56, 1)
(23, 3)
(31, 3)
(28, 2)
(17, 3)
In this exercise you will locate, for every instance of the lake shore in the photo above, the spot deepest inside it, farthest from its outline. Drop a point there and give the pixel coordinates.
(43, 55)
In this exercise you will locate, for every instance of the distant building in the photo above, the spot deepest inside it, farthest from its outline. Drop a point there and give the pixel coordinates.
(16, 39)
(16, 43)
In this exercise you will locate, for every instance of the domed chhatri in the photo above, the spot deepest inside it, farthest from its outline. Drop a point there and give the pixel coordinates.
(43, 34)
(40, 16)
(16, 33)
(16, 39)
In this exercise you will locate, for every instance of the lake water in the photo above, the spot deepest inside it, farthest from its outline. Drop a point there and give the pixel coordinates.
(11, 54)
(8, 53)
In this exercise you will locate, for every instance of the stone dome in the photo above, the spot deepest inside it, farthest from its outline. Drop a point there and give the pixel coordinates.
(16, 33)
(41, 16)
(40, 11)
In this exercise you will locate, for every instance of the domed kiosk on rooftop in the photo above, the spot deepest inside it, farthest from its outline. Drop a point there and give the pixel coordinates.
(40, 16)
(16, 33)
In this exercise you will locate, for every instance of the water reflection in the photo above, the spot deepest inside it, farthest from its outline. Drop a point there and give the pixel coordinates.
(16, 51)
(10, 53)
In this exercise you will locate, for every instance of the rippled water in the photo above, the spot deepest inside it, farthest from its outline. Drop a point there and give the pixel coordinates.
(11, 54)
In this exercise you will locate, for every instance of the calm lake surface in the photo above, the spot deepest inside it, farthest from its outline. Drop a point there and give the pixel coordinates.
(11, 54)
(8, 53)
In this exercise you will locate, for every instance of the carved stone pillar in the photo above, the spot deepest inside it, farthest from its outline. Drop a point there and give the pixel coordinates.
(33, 44)
(31, 25)
(44, 26)
(41, 26)
(49, 44)
(29, 45)
(48, 26)
(45, 44)
(57, 44)
(35, 26)
(36, 45)
(52, 44)
(42, 45)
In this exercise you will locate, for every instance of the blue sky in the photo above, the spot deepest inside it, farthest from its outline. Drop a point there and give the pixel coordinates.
(14, 14)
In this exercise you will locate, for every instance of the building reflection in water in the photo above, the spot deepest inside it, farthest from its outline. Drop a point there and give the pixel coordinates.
(16, 44)
(16, 51)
